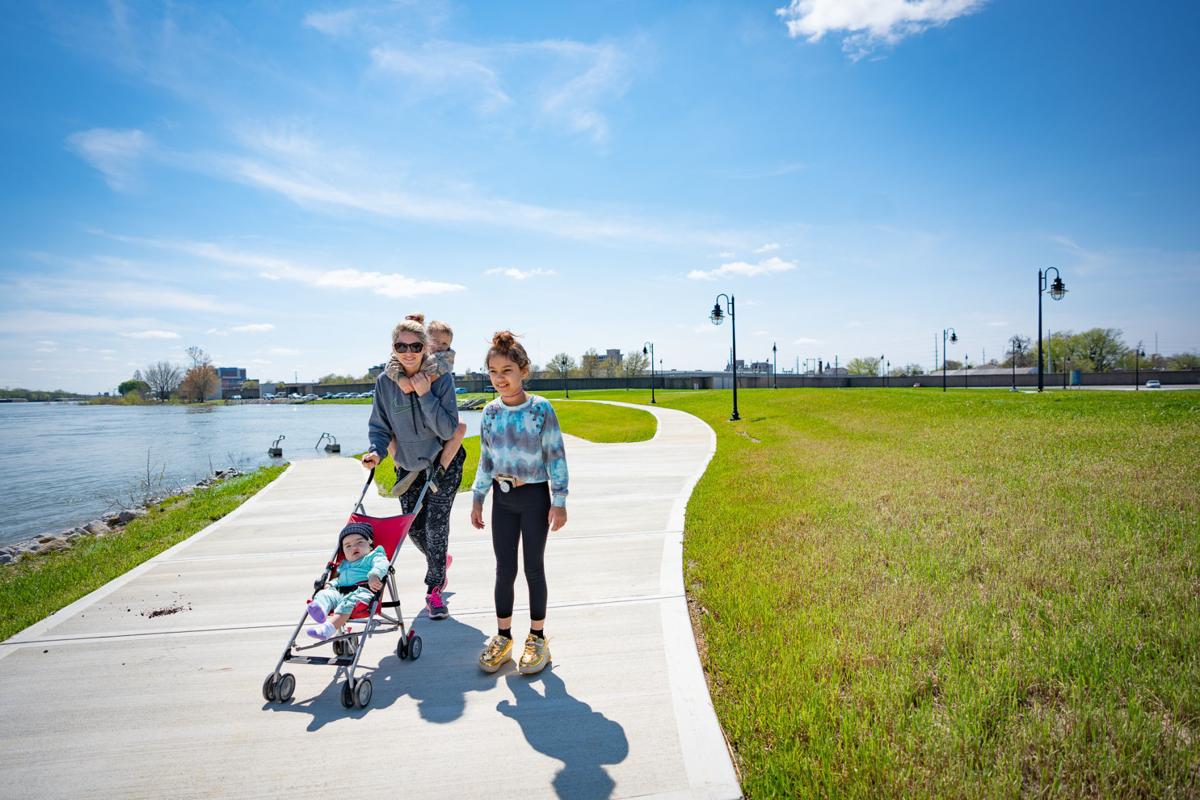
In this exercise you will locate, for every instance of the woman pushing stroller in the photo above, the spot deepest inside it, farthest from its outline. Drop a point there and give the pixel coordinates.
(421, 420)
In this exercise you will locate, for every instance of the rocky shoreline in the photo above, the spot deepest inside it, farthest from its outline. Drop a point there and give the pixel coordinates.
(107, 525)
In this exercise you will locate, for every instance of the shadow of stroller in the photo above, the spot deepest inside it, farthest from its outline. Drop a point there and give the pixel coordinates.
(438, 681)
(562, 727)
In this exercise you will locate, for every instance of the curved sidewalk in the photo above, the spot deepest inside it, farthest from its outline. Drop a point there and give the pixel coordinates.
(103, 698)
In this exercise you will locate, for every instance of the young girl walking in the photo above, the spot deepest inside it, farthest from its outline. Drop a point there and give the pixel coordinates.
(522, 457)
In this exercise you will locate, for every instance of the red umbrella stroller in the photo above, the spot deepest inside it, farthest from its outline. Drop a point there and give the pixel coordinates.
(390, 533)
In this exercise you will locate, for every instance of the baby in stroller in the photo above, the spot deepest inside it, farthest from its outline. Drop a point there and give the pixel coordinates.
(359, 576)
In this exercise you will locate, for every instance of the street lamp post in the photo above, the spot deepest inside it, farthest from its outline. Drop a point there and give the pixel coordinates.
(883, 369)
(1015, 350)
(1138, 353)
(953, 334)
(650, 353)
(966, 372)
(1057, 290)
(775, 367)
(566, 385)
(717, 316)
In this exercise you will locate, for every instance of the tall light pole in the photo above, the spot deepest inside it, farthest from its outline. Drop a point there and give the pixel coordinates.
(953, 334)
(1015, 350)
(717, 316)
(775, 368)
(650, 352)
(1138, 353)
(1057, 290)
(883, 370)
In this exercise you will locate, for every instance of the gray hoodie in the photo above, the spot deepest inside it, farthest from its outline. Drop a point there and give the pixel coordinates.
(420, 425)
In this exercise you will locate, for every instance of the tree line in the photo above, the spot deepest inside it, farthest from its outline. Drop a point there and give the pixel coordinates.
(1094, 350)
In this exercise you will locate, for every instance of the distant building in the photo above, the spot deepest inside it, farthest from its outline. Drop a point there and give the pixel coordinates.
(611, 354)
(375, 370)
(232, 379)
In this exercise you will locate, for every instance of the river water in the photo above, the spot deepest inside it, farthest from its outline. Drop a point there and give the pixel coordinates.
(62, 464)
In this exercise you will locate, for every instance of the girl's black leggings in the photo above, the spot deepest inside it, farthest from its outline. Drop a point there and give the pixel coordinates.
(520, 513)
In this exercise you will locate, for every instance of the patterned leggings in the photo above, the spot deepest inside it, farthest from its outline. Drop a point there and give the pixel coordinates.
(430, 531)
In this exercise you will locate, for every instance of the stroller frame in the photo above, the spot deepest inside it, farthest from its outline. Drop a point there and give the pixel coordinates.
(348, 646)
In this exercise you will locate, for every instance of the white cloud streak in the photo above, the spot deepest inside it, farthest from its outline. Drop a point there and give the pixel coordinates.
(870, 24)
(521, 275)
(115, 153)
(770, 266)
(151, 335)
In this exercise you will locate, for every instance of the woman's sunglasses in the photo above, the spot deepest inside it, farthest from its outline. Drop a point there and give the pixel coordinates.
(408, 347)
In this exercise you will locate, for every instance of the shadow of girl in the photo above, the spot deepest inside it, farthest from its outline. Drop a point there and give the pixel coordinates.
(566, 729)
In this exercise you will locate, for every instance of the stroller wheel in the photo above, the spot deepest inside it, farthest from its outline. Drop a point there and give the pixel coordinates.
(286, 687)
(269, 688)
(347, 695)
(338, 647)
(414, 648)
(402, 648)
(362, 692)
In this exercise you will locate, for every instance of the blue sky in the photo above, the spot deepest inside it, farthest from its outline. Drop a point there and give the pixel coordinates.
(280, 183)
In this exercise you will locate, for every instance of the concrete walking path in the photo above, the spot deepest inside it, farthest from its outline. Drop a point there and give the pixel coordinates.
(101, 699)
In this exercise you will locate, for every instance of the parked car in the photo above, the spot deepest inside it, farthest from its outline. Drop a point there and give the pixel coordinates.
(236, 397)
(310, 396)
(1153, 384)
(269, 396)
(460, 390)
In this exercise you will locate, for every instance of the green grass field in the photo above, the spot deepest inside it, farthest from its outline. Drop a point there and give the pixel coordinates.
(971, 594)
(39, 585)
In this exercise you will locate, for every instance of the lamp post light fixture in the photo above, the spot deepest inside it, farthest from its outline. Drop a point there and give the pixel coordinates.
(775, 366)
(953, 337)
(1138, 353)
(718, 316)
(648, 350)
(1057, 290)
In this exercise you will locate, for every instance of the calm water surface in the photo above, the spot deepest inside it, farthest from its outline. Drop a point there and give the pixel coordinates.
(63, 464)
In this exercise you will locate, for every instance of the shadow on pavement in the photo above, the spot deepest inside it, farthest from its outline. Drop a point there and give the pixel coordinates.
(438, 681)
(564, 728)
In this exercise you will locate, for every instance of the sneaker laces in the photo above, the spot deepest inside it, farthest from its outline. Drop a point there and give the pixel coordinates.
(531, 647)
(495, 646)
(435, 599)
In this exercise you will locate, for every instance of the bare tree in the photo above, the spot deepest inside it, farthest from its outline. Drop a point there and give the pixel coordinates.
(634, 363)
(163, 378)
(589, 364)
(198, 356)
(562, 364)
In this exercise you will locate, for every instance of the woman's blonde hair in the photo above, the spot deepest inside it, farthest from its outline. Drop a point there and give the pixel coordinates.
(505, 344)
(414, 324)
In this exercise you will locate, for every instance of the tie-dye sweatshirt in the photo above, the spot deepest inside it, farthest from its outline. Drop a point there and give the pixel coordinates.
(524, 442)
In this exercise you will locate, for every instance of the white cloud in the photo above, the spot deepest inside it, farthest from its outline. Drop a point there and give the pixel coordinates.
(332, 23)
(115, 153)
(445, 67)
(387, 284)
(521, 275)
(869, 24)
(151, 335)
(254, 327)
(768, 266)
(768, 248)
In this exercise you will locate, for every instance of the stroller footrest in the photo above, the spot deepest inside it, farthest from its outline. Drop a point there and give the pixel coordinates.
(319, 660)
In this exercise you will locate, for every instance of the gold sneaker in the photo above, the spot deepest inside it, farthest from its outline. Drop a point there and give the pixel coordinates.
(536, 655)
(495, 653)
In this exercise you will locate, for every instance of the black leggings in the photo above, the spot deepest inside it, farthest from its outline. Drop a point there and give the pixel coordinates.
(522, 512)
(430, 531)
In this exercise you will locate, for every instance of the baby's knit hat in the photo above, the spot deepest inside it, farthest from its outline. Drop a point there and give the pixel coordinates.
(362, 529)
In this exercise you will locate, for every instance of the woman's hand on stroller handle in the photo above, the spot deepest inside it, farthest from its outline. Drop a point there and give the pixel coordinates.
(477, 515)
(370, 459)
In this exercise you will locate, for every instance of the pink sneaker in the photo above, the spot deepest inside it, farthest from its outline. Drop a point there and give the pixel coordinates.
(436, 606)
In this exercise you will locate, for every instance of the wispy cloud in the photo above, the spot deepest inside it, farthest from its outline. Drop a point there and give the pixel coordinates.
(521, 274)
(387, 284)
(254, 327)
(770, 266)
(115, 153)
(151, 335)
(808, 340)
(767, 248)
(870, 24)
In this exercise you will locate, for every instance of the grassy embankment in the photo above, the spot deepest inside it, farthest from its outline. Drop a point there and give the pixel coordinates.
(596, 423)
(37, 586)
(972, 594)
